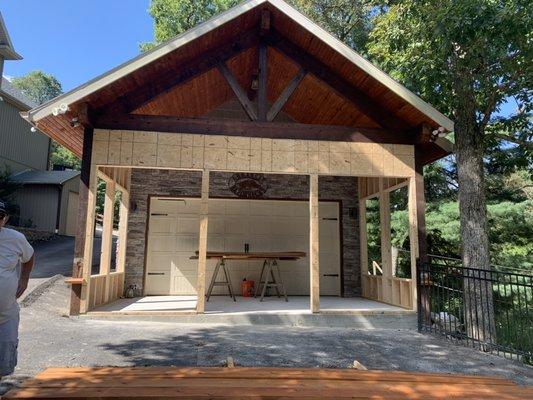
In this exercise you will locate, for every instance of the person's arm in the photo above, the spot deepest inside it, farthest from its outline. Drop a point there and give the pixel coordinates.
(25, 271)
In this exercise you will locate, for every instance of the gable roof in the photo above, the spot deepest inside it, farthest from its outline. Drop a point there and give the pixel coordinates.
(6, 47)
(15, 96)
(313, 39)
(44, 177)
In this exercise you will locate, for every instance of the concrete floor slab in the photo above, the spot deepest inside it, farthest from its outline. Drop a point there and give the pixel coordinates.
(248, 305)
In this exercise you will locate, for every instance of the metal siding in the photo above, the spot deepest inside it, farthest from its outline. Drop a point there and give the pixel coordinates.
(39, 203)
(72, 185)
(19, 147)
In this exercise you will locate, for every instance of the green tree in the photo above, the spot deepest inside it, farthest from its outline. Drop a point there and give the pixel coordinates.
(41, 87)
(38, 86)
(172, 17)
(467, 57)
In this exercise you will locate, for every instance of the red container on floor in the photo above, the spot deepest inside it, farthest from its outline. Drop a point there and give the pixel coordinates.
(247, 288)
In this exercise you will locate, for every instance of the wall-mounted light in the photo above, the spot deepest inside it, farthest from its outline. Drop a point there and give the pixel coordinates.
(75, 122)
(440, 132)
(33, 129)
(62, 109)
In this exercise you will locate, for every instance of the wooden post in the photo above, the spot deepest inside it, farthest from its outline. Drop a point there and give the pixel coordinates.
(107, 236)
(202, 246)
(419, 215)
(363, 245)
(79, 244)
(314, 244)
(385, 230)
(123, 231)
(413, 236)
(89, 240)
(262, 104)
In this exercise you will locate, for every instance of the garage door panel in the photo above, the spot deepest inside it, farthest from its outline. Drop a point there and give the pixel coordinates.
(188, 206)
(164, 206)
(266, 225)
(187, 243)
(162, 224)
(215, 225)
(217, 207)
(215, 243)
(158, 283)
(162, 243)
(261, 208)
(237, 207)
(235, 226)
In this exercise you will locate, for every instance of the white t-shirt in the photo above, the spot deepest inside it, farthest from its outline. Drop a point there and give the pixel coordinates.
(14, 249)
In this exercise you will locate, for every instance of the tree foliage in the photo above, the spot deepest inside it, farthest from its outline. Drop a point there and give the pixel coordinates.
(38, 86)
(41, 87)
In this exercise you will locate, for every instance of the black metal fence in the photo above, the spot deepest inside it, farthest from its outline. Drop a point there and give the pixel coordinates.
(488, 310)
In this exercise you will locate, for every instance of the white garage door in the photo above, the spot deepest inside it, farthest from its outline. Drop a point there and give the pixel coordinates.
(266, 225)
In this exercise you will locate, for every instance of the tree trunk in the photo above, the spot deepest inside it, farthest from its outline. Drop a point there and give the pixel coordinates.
(469, 148)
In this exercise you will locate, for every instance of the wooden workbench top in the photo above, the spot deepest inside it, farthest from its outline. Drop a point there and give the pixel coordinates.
(273, 255)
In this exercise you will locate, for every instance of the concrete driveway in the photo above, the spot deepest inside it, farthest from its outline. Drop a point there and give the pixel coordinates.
(49, 338)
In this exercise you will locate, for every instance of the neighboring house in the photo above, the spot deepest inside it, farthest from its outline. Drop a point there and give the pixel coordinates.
(48, 200)
(25, 153)
(254, 130)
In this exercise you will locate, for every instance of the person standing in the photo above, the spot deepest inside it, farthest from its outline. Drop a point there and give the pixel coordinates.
(16, 263)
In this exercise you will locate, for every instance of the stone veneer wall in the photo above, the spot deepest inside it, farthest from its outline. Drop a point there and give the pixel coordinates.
(145, 182)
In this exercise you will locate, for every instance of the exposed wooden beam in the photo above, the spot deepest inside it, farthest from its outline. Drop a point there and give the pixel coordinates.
(238, 90)
(265, 23)
(285, 95)
(173, 77)
(227, 127)
(365, 104)
(262, 102)
(202, 243)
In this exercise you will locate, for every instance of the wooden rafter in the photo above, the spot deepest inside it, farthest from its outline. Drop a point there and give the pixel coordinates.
(341, 86)
(285, 95)
(211, 126)
(238, 90)
(168, 80)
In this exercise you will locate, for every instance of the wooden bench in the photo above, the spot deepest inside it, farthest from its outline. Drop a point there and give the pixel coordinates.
(260, 383)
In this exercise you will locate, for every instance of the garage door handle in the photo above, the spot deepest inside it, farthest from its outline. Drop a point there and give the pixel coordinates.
(329, 219)
(158, 214)
(156, 273)
(331, 275)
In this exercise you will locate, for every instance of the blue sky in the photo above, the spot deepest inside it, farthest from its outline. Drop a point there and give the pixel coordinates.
(75, 40)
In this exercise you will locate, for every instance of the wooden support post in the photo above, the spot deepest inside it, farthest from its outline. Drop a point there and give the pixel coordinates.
(123, 231)
(386, 255)
(262, 102)
(314, 244)
(89, 240)
(107, 236)
(413, 236)
(202, 246)
(419, 251)
(363, 245)
(83, 206)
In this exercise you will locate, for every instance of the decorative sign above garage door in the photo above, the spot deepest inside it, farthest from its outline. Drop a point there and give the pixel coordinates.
(248, 186)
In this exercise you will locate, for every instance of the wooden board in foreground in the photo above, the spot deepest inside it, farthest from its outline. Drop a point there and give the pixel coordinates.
(260, 383)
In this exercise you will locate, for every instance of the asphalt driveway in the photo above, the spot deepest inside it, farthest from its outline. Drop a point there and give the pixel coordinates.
(49, 338)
